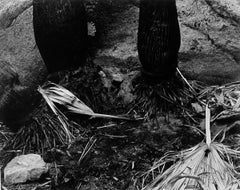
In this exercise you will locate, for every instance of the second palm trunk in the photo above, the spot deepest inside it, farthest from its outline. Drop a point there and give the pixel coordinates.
(158, 38)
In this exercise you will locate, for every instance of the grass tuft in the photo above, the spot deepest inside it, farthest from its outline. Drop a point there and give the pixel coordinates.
(44, 130)
(172, 94)
(5, 134)
(224, 100)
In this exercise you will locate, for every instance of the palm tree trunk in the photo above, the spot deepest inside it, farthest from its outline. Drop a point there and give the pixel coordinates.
(60, 28)
(158, 38)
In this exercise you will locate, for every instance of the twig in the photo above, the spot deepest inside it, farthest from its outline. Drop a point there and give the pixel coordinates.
(185, 80)
(107, 126)
(42, 185)
(116, 136)
(86, 150)
(1, 178)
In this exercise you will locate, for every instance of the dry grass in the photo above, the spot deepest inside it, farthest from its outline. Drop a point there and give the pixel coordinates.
(5, 134)
(42, 131)
(170, 95)
(224, 101)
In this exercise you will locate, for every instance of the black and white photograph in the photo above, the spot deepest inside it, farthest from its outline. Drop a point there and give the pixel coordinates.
(120, 94)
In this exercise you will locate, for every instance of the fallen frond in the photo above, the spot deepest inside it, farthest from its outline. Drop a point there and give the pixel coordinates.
(206, 166)
(196, 168)
(56, 94)
(224, 100)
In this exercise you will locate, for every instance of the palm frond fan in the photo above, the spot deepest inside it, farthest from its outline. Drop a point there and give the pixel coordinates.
(206, 166)
(55, 94)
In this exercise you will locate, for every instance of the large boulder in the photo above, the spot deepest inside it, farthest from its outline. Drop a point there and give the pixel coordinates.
(18, 47)
(22, 68)
(10, 10)
(24, 168)
(210, 49)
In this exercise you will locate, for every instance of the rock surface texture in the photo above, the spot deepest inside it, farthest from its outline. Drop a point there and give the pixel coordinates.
(18, 47)
(210, 48)
(20, 58)
(24, 168)
(10, 10)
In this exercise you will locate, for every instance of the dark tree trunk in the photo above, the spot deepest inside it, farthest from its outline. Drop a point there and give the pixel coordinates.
(60, 28)
(158, 38)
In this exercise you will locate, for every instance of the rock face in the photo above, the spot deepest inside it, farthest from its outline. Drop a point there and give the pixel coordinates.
(22, 68)
(209, 33)
(10, 9)
(18, 47)
(210, 49)
(24, 168)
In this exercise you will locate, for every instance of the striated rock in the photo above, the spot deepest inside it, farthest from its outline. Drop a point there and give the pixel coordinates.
(210, 40)
(18, 47)
(22, 68)
(11, 9)
(24, 168)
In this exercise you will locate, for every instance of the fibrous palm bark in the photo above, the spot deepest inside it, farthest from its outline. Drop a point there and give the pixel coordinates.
(159, 88)
(158, 38)
(60, 28)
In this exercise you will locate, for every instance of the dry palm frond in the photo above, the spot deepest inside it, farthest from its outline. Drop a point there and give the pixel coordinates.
(54, 93)
(206, 166)
(224, 100)
(61, 117)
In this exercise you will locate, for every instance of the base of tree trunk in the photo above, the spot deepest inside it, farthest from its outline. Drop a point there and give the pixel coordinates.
(169, 95)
